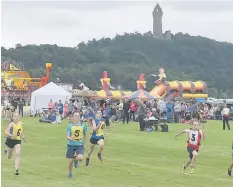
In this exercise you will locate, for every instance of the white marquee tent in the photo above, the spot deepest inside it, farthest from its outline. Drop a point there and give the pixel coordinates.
(41, 97)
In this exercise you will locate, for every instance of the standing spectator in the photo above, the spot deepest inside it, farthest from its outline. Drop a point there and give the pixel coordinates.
(103, 108)
(14, 105)
(66, 109)
(106, 115)
(182, 111)
(75, 104)
(133, 109)
(211, 113)
(206, 111)
(71, 107)
(55, 107)
(126, 111)
(80, 104)
(195, 109)
(141, 114)
(92, 103)
(60, 108)
(177, 111)
(120, 108)
(225, 115)
(50, 104)
(20, 105)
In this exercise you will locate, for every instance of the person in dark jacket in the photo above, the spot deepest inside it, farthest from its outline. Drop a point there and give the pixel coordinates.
(20, 106)
(141, 115)
(126, 106)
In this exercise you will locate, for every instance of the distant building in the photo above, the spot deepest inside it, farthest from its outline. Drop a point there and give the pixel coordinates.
(158, 25)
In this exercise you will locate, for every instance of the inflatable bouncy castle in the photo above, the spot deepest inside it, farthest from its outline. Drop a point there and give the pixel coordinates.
(185, 89)
(17, 82)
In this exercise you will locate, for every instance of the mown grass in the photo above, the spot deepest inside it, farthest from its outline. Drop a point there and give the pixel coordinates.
(131, 158)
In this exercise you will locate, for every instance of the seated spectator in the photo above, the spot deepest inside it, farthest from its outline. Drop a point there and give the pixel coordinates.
(155, 113)
(52, 117)
(44, 117)
(163, 117)
(149, 113)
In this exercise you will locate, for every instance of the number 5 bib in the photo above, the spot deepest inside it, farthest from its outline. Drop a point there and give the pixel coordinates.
(77, 132)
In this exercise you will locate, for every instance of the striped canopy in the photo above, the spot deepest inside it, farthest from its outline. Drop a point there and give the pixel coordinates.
(111, 94)
(141, 94)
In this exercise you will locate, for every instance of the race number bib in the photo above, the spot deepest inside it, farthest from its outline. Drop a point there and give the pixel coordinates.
(77, 132)
(193, 137)
(100, 131)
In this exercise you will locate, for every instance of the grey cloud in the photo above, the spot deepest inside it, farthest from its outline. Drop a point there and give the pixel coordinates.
(37, 16)
(72, 5)
(49, 22)
(198, 6)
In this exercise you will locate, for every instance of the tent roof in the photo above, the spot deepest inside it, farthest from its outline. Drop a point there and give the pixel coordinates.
(141, 94)
(51, 89)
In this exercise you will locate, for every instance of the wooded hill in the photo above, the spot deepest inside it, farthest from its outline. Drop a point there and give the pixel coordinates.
(126, 56)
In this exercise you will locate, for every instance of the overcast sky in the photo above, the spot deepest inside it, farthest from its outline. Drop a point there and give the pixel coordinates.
(68, 23)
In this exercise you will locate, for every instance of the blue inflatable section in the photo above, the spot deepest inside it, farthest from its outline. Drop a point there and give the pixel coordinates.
(201, 100)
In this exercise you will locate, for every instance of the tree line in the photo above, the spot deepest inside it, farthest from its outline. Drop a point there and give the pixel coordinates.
(125, 56)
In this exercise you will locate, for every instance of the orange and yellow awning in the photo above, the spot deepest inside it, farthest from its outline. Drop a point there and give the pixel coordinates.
(112, 94)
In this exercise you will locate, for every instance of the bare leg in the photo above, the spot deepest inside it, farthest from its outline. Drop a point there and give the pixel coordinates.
(9, 152)
(91, 150)
(187, 163)
(101, 145)
(17, 156)
(230, 169)
(89, 154)
(193, 161)
(231, 166)
(70, 165)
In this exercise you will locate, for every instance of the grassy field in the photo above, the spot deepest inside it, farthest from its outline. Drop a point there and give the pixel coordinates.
(131, 158)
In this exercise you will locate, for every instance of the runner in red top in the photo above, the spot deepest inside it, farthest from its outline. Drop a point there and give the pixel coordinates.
(195, 137)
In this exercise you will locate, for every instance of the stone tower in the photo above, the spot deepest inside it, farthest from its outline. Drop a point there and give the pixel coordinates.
(157, 22)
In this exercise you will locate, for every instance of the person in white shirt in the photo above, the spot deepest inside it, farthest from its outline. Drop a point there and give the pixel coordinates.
(225, 116)
(58, 118)
(120, 108)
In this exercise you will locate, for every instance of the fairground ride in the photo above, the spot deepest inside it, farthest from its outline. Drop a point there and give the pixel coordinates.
(17, 83)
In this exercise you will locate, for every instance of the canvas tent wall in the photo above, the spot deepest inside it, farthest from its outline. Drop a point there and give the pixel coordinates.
(41, 97)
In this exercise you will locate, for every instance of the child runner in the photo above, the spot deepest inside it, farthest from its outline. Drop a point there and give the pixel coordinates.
(195, 136)
(76, 136)
(97, 136)
(14, 133)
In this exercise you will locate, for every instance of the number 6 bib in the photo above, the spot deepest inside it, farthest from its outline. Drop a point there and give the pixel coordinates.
(100, 130)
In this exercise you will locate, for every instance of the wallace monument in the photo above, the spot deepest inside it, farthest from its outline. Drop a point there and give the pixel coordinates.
(158, 25)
